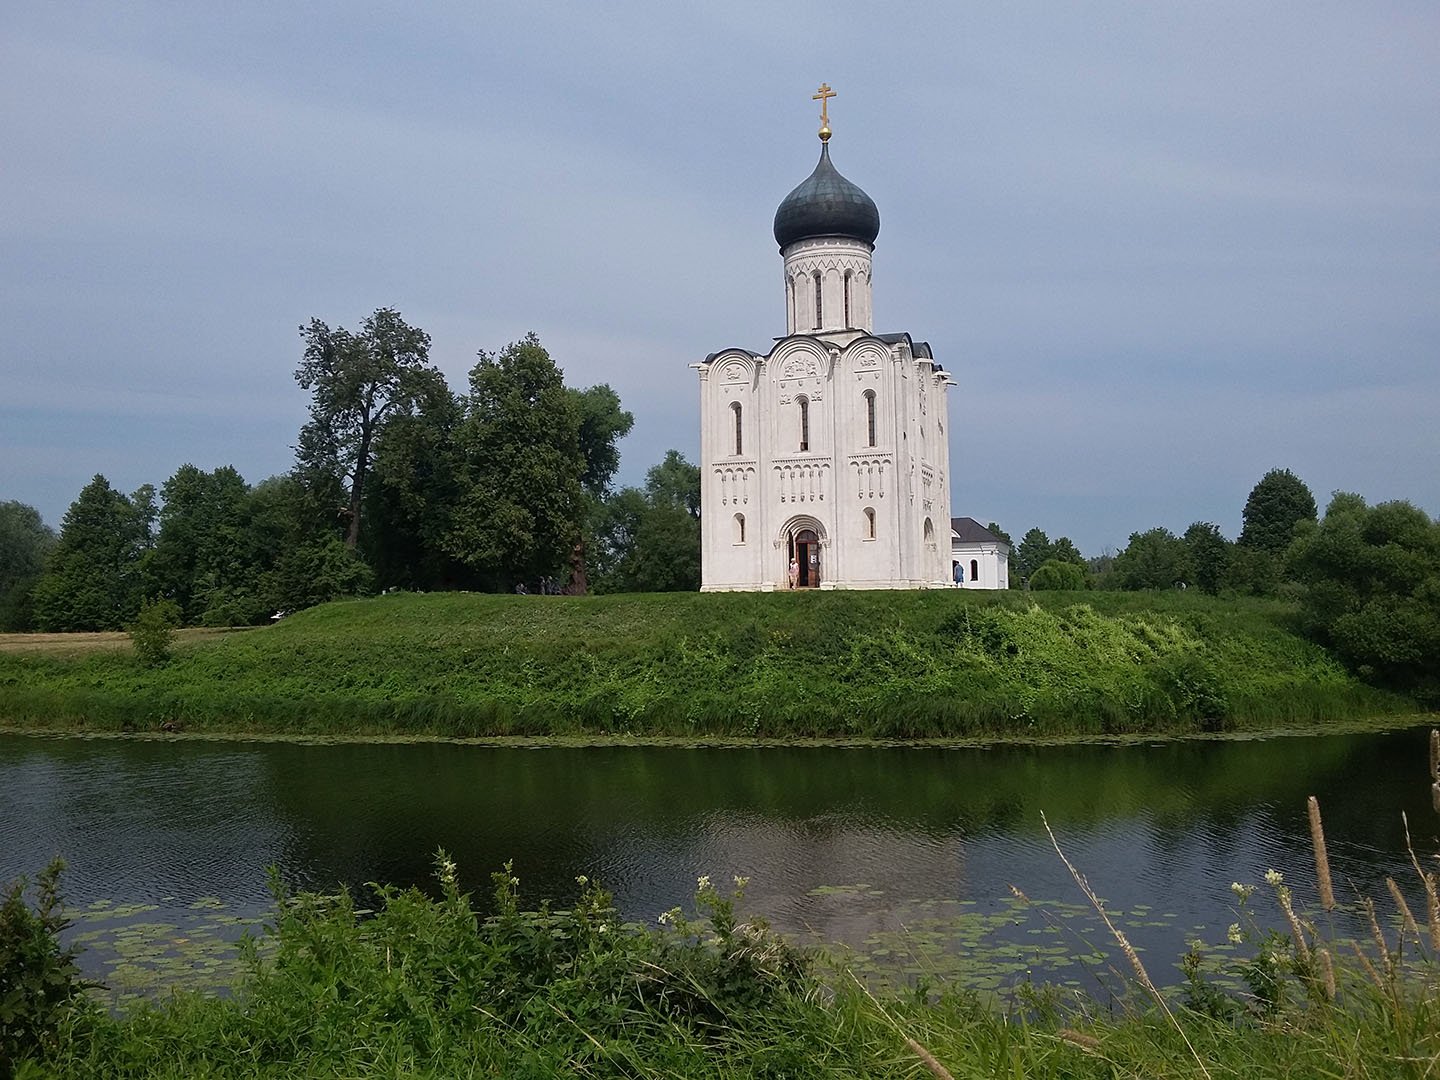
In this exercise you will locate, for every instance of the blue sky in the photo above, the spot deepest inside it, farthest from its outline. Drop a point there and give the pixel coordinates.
(1162, 247)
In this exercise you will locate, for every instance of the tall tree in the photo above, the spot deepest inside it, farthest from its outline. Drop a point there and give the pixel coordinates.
(1209, 555)
(603, 423)
(358, 382)
(95, 577)
(649, 540)
(1034, 551)
(1371, 580)
(25, 541)
(202, 555)
(520, 469)
(1154, 559)
(1276, 505)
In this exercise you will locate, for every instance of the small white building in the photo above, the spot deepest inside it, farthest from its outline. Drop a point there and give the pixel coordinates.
(978, 558)
(825, 461)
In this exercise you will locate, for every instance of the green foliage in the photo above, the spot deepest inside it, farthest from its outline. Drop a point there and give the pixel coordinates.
(95, 576)
(931, 664)
(39, 981)
(203, 557)
(25, 543)
(1371, 578)
(1156, 559)
(153, 631)
(603, 423)
(1276, 504)
(521, 467)
(649, 541)
(1033, 552)
(1208, 554)
(315, 574)
(358, 383)
(1058, 573)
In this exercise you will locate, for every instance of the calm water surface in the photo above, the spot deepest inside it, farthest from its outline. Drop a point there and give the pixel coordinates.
(841, 845)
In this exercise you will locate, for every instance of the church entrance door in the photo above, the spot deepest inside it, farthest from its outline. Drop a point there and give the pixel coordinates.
(807, 554)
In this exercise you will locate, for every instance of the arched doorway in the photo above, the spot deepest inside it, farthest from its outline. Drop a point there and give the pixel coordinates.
(805, 551)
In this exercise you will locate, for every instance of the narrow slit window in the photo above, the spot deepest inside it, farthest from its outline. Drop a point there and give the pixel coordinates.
(870, 417)
(974, 570)
(739, 430)
(849, 276)
(819, 312)
(739, 528)
(869, 524)
(804, 423)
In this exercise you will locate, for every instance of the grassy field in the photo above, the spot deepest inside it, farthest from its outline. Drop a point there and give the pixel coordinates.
(893, 665)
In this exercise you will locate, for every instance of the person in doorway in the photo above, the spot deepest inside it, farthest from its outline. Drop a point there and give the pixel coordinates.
(959, 576)
(794, 572)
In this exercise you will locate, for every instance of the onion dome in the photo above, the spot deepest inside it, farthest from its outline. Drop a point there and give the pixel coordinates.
(826, 204)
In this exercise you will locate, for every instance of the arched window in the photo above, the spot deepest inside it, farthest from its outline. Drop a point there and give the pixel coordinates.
(819, 312)
(739, 431)
(804, 404)
(870, 417)
(739, 528)
(974, 570)
(869, 524)
(929, 533)
(849, 276)
(790, 303)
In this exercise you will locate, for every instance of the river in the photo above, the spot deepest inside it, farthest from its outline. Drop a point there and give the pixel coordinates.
(907, 854)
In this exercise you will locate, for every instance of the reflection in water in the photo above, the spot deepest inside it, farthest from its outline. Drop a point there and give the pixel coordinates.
(1167, 826)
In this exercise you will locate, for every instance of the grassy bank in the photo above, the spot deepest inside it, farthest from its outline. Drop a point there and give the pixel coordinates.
(942, 664)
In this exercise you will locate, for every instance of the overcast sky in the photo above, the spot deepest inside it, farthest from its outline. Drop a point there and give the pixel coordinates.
(1162, 247)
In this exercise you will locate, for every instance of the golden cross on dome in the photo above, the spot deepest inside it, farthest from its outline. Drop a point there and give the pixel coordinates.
(823, 96)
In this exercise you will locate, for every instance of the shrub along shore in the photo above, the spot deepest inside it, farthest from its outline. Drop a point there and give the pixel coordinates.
(886, 665)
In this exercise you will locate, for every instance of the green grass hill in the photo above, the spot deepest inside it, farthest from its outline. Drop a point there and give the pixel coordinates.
(886, 665)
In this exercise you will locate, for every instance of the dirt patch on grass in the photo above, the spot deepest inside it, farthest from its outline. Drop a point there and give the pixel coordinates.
(72, 644)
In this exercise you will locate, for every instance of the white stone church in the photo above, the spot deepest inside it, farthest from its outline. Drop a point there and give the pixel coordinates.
(825, 462)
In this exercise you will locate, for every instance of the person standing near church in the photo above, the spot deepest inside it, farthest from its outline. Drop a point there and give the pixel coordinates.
(794, 571)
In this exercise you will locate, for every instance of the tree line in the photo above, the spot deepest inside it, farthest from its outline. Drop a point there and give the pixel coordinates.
(398, 483)
(1365, 579)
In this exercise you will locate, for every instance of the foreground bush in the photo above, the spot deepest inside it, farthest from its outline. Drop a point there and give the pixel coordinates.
(423, 987)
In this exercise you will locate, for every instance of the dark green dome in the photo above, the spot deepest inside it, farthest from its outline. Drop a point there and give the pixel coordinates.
(826, 204)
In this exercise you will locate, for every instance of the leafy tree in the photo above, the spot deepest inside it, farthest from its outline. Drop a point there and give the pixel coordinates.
(1155, 559)
(153, 631)
(1058, 574)
(1034, 551)
(1065, 550)
(203, 551)
(1209, 555)
(1276, 505)
(411, 500)
(358, 382)
(94, 579)
(520, 469)
(649, 541)
(25, 541)
(602, 424)
(1371, 590)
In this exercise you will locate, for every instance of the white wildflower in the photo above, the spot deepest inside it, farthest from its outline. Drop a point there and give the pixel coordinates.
(741, 882)
(1242, 891)
(702, 882)
(1273, 877)
(582, 880)
(1233, 934)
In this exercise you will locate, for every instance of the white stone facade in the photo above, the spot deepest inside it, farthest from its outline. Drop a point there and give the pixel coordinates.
(830, 450)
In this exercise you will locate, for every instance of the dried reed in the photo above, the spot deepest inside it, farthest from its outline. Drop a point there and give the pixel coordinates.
(928, 1060)
(1302, 948)
(1088, 1043)
(1407, 920)
(1432, 898)
(1327, 973)
(1435, 755)
(1322, 857)
(1125, 946)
